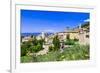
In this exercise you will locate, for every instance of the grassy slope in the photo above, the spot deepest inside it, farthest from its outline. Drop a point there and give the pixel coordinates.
(76, 52)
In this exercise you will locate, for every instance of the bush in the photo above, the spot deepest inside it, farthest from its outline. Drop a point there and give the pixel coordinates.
(23, 49)
(56, 43)
(31, 46)
(51, 56)
(70, 42)
(36, 48)
(23, 52)
(39, 47)
(26, 59)
(51, 48)
(75, 39)
(76, 52)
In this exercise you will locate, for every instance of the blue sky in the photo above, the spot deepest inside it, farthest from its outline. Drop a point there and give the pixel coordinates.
(50, 21)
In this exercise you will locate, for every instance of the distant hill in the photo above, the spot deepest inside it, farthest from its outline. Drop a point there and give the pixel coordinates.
(85, 25)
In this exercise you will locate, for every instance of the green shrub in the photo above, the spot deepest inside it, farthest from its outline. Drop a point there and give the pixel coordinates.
(23, 52)
(51, 48)
(75, 39)
(70, 42)
(76, 52)
(36, 48)
(31, 46)
(56, 43)
(26, 59)
(51, 56)
(39, 47)
(23, 49)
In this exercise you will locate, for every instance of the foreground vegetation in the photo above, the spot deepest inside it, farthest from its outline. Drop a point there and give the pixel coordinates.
(76, 52)
(31, 46)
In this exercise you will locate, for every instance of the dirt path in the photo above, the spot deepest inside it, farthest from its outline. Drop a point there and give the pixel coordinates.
(44, 51)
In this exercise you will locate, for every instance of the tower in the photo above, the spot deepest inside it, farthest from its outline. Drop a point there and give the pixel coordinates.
(43, 35)
(80, 26)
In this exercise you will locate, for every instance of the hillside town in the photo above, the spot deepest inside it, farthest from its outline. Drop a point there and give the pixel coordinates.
(81, 34)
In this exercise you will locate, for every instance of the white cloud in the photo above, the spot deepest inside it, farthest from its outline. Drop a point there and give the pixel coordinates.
(49, 30)
(87, 20)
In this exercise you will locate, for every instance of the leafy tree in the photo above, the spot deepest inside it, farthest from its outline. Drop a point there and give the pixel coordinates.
(70, 42)
(35, 41)
(31, 46)
(25, 47)
(36, 48)
(23, 50)
(51, 48)
(56, 43)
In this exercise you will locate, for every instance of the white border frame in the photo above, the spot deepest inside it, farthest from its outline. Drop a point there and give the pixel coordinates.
(15, 34)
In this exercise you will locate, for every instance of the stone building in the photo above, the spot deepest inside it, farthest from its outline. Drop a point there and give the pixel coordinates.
(81, 34)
